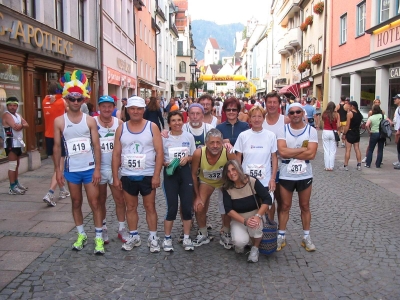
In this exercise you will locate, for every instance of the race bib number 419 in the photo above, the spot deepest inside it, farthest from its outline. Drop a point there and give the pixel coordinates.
(78, 146)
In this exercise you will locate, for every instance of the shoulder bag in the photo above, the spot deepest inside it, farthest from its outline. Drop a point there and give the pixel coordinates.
(270, 231)
(335, 133)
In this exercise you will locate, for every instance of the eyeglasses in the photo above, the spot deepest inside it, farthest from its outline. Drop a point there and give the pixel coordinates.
(75, 99)
(231, 110)
(297, 112)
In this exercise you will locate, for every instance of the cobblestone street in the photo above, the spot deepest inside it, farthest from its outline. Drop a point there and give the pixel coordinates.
(354, 227)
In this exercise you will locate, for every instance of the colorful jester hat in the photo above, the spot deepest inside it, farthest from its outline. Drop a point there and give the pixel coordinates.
(74, 84)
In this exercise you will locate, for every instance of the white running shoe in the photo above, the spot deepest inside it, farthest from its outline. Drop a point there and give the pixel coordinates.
(21, 187)
(16, 191)
(200, 239)
(123, 235)
(133, 241)
(307, 244)
(49, 199)
(106, 240)
(63, 194)
(188, 244)
(226, 240)
(154, 245)
(364, 160)
(253, 256)
(281, 242)
(167, 245)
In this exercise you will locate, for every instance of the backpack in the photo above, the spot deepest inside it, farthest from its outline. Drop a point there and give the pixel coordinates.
(385, 131)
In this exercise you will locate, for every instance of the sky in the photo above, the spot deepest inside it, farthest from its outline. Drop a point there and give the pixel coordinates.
(229, 11)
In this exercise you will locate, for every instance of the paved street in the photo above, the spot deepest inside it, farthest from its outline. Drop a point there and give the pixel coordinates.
(355, 228)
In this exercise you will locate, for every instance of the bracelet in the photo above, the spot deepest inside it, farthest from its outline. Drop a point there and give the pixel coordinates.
(257, 215)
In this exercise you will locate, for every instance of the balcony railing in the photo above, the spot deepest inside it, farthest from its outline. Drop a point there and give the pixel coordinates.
(184, 53)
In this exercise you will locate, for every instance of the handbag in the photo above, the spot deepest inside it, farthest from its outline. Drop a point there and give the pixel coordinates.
(336, 134)
(268, 242)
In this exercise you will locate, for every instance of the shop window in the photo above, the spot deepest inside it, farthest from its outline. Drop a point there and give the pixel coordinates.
(384, 7)
(81, 19)
(59, 15)
(10, 85)
(361, 18)
(343, 29)
(28, 8)
(182, 67)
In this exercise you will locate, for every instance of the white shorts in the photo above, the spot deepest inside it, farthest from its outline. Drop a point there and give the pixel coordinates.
(106, 177)
(220, 197)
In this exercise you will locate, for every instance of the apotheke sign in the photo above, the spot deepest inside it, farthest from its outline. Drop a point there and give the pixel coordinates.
(37, 37)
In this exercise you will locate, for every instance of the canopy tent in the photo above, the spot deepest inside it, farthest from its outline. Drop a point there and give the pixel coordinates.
(293, 89)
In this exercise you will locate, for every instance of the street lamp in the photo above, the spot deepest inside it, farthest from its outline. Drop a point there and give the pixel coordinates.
(192, 66)
(197, 80)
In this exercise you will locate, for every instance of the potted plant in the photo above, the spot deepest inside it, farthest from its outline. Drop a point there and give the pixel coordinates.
(304, 65)
(303, 26)
(316, 59)
(309, 20)
(319, 8)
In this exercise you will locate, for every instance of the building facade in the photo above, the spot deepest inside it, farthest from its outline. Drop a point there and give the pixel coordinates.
(118, 49)
(41, 40)
(365, 52)
(211, 52)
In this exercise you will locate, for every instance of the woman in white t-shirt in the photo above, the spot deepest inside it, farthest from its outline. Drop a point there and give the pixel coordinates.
(258, 148)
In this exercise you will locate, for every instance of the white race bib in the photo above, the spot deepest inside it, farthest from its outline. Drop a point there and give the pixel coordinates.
(177, 152)
(135, 161)
(107, 144)
(255, 170)
(213, 175)
(296, 167)
(78, 146)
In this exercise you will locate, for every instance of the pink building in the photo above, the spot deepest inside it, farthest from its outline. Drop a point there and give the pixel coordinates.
(365, 51)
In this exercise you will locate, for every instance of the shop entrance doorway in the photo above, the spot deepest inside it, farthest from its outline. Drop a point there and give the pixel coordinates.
(39, 92)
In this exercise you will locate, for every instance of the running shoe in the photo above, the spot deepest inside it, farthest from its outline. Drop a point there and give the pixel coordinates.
(154, 245)
(307, 244)
(123, 235)
(105, 236)
(81, 242)
(344, 168)
(132, 241)
(281, 242)
(396, 163)
(181, 237)
(367, 166)
(99, 245)
(48, 198)
(200, 240)
(397, 167)
(364, 160)
(343, 145)
(167, 245)
(253, 256)
(226, 240)
(16, 191)
(63, 194)
(21, 187)
(188, 244)
(359, 168)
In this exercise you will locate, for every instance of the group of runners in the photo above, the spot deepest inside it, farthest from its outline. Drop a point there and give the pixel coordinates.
(130, 156)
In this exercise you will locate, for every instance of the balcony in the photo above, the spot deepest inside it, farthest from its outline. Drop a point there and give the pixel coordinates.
(281, 47)
(184, 53)
(293, 38)
(288, 12)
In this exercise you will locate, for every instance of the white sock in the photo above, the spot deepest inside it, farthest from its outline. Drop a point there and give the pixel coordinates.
(306, 233)
(99, 232)
(121, 225)
(133, 232)
(153, 234)
(282, 232)
(185, 236)
(80, 229)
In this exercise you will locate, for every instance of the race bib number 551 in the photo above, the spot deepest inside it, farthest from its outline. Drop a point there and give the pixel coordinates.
(135, 161)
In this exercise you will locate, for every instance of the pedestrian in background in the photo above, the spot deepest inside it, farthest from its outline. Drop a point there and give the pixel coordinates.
(372, 126)
(396, 118)
(153, 113)
(331, 123)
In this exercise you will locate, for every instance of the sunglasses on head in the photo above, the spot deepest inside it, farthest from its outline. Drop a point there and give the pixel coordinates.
(75, 99)
(231, 110)
(297, 112)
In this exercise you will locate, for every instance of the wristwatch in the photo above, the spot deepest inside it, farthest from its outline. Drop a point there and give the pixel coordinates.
(257, 215)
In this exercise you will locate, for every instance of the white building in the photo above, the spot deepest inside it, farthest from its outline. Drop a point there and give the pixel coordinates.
(211, 52)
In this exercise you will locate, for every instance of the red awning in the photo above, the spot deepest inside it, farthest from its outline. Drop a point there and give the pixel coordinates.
(291, 89)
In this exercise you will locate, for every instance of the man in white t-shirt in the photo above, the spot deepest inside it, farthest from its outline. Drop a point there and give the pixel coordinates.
(396, 120)
(297, 145)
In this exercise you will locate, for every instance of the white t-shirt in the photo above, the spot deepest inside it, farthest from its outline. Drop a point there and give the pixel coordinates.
(275, 128)
(178, 146)
(296, 169)
(199, 134)
(256, 148)
(397, 118)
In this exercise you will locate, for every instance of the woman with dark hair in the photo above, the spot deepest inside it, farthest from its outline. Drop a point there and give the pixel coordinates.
(232, 127)
(240, 193)
(372, 126)
(331, 123)
(153, 113)
(351, 134)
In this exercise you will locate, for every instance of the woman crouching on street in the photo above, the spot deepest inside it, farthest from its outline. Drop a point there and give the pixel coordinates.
(181, 145)
(240, 204)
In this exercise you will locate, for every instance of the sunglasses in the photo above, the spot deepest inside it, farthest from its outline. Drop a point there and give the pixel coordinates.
(297, 112)
(75, 99)
(231, 110)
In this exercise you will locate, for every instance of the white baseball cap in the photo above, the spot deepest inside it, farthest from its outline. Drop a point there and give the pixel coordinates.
(136, 101)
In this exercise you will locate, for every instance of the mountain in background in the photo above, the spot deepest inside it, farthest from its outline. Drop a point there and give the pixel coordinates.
(224, 34)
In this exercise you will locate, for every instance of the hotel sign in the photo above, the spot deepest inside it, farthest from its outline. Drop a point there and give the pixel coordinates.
(385, 37)
(36, 37)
